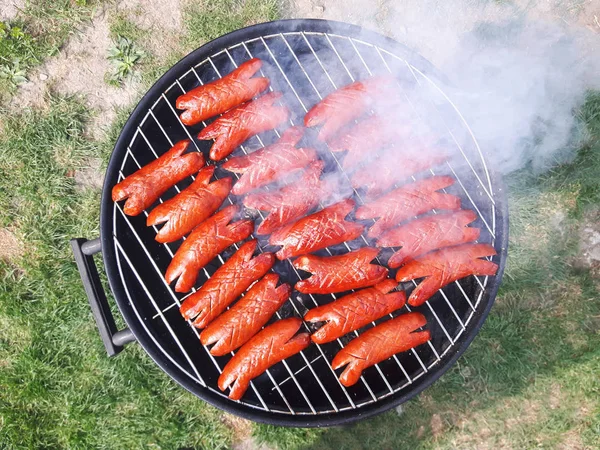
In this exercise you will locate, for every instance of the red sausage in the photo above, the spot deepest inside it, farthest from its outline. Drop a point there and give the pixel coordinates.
(290, 202)
(273, 344)
(218, 96)
(242, 122)
(226, 284)
(394, 166)
(207, 240)
(380, 343)
(316, 231)
(429, 233)
(366, 138)
(144, 187)
(348, 103)
(243, 320)
(445, 266)
(340, 273)
(354, 311)
(190, 207)
(408, 201)
(270, 163)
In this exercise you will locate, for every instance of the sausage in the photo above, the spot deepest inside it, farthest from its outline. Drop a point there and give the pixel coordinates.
(340, 273)
(348, 103)
(218, 96)
(207, 240)
(290, 202)
(243, 320)
(429, 233)
(272, 345)
(354, 311)
(408, 201)
(380, 343)
(270, 163)
(242, 122)
(226, 284)
(144, 187)
(190, 207)
(366, 138)
(394, 166)
(445, 266)
(316, 231)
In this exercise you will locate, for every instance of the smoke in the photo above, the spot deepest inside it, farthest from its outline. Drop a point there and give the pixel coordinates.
(517, 73)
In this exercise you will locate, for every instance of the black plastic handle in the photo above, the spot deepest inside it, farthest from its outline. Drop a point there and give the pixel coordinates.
(113, 340)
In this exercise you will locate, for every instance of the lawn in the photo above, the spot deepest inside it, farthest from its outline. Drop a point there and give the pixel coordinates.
(530, 378)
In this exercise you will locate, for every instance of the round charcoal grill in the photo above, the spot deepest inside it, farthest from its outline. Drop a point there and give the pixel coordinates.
(306, 60)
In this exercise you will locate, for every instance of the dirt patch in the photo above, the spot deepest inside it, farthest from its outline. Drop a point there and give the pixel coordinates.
(589, 244)
(79, 69)
(437, 426)
(91, 176)
(242, 433)
(571, 441)
(9, 9)
(10, 246)
(161, 19)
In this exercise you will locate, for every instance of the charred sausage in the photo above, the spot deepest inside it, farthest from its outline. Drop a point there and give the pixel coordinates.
(144, 187)
(190, 207)
(203, 244)
(445, 266)
(272, 345)
(218, 96)
(242, 122)
(243, 320)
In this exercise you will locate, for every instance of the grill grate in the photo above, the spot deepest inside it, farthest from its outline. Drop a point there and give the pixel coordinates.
(305, 66)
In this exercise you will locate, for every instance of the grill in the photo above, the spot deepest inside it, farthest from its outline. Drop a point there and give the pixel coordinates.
(306, 60)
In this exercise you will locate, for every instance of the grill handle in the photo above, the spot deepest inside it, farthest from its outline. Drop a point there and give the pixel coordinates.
(112, 339)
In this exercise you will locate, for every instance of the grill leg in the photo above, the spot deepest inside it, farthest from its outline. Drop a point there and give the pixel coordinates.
(112, 339)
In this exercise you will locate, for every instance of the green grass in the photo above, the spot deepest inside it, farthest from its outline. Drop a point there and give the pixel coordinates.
(206, 20)
(57, 387)
(529, 379)
(42, 29)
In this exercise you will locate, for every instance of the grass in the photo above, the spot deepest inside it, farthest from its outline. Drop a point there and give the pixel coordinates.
(530, 379)
(40, 32)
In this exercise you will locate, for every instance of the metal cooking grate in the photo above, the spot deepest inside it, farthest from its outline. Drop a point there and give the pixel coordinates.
(305, 66)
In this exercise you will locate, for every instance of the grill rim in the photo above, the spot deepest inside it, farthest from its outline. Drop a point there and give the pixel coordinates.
(110, 255)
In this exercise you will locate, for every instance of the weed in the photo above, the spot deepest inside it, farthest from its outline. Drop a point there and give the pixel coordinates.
(124, 55)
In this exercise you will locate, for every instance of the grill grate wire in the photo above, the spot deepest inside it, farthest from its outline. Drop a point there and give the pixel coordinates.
(273, 47)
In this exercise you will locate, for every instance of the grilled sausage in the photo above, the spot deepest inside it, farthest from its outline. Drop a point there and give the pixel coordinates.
(429, 233)
(394, 166)
(348, 103)
(290, 202)
(242, 122)
(378, 344)
(144, 187)
(340, 273)
(354, 311)
(273, 344)
(270, 163)
(218, 96)
(207, 240)
(190, 207)
(243, 320)
(366, 138)
(226, 284)
(316, 231)
(445, 266)
(408, 201)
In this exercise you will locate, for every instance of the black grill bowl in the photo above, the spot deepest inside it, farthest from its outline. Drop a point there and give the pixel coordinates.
(134, 261)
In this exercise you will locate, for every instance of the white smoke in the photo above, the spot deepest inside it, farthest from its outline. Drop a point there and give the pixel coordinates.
(517, 73)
